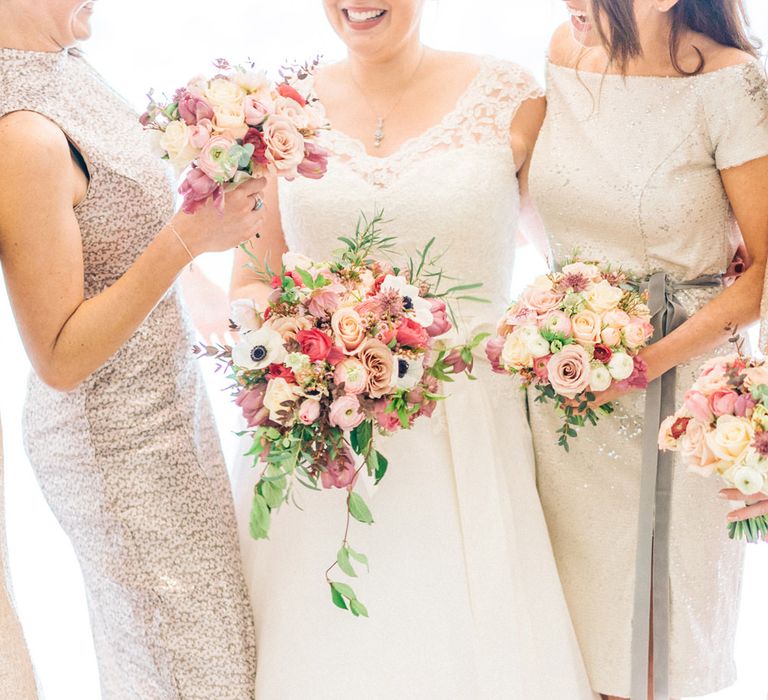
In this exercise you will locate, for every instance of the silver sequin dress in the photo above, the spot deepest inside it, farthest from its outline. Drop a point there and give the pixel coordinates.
(627, 171)
(130, 462)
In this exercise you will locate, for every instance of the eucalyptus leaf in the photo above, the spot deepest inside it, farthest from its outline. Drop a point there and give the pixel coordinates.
(359, 509)
(342, 559)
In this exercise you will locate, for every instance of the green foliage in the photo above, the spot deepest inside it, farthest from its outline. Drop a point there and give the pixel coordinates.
(358, 509)
(260, 518)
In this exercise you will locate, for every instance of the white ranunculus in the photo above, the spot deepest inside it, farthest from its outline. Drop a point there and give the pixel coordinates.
(293, 260)
(407, 372)
(175, 142)
(222, 92)
(599, 377)
(279, 392)
(259, 349)
(538, 346)
(603, 297)
(731, 438)
(748, 480)
(417, 308)
(246, 315)
(621, 366)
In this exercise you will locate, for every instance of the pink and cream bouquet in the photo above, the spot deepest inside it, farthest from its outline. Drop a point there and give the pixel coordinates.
(572, 334)
(236, 125)
(346, 349)
(722, 428)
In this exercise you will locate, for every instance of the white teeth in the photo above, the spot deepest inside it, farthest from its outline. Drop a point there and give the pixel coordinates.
(355, 16)
(578, 15)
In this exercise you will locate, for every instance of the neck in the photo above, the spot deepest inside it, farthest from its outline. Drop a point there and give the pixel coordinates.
(655, 32)
(387, 74)
(19, 29)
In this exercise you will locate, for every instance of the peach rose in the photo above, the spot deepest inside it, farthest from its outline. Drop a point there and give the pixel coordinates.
(587, 327)
(616, 318)
(542, 301)
(695, 450)
(636, 334)
(379, 362)
(289, 326)
(348, 329)
(611, 336)
(285, 145)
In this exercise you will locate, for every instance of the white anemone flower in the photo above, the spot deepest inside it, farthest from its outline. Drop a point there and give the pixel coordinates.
(407, 372)
(259, 349)
(415, 306)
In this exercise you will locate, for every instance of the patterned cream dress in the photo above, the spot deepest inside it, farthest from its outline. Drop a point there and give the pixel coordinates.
(627, 171)
(17, 679)
(130, 462)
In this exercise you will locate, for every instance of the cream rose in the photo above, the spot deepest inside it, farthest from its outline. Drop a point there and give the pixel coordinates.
(542, 301)
(175, 142)
(636, 334)
(603, 297)
(611, 336)
(230, 120)
(731, 438)
(348, 329)
(695, 449)
(515, 353)
(293, 111)
(222, 92)
(289, 326)
(587, 327)
(280, 392)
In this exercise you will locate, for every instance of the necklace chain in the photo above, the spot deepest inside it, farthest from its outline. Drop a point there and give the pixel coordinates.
(378, 134)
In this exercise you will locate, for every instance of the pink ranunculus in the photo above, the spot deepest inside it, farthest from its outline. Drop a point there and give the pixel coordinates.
(200, 133)
(745, 404)
(722, 402)
(493, 349)
(698, 406)
(325, 300)
(193, 109)
(339, 473)
(611, 336)
(412, 334)
(558, 322)
(251, 402)
(540, 368)
(314, 344)
(542, 301)
(285, 146)
(386, 420)
(255, 110)
(616, 319)
(568, 371)
(315, 163)
(309, 411)
(345, 412)
(441, 324)
(351, 373)
(695, 449)
(197, 188)
(215, 159)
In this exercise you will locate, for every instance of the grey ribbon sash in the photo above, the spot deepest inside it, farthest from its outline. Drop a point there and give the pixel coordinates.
(652, 595)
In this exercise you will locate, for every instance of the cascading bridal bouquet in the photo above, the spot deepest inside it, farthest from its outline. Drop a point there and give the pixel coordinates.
(346, 349)
(722, 428)
(572, 334)
(238, 125)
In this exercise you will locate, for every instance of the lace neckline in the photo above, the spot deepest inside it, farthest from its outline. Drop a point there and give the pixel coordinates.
(354, 147)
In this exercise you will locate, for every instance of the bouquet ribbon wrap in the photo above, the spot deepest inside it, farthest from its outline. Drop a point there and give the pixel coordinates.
(652, 559)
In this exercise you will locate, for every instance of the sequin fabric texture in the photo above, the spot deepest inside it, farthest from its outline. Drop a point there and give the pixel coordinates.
(130, 462)
(627, 171)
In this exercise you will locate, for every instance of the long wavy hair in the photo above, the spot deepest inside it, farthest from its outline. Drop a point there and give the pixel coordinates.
(723, 21)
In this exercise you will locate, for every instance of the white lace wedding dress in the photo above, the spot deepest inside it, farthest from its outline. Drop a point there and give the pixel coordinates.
(463, 592)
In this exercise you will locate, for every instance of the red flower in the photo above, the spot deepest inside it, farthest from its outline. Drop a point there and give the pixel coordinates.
(315, 344)
(255, 137)
(286, 90)
(335, 356)
(679, 427)
(267, 313)
(412, 334)
(603, 353)
(277, 282)
(281, 372)
(377, 285)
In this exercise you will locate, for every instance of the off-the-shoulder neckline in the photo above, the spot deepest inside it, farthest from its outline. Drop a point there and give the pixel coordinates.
(733, 67)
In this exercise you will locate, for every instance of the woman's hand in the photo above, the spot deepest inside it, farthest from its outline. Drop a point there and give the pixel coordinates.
(756, 505)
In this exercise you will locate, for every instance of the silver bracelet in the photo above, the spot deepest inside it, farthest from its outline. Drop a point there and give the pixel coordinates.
(181, 240)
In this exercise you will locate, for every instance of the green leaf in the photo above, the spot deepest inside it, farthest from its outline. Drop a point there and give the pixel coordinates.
(272, 492)
(361, 437)
(344, 590)
(308, 280)
(260, 518)
(338, 599)
(358, 509)
(381, 469)
(358, 557)
(358, 609)
(342, 559)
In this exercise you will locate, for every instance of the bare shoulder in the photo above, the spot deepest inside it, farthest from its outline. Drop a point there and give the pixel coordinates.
(564, 50)
(28, 140)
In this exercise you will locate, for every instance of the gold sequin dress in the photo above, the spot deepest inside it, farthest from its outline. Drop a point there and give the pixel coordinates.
(17, 679)
(627, 171)
(130, 462)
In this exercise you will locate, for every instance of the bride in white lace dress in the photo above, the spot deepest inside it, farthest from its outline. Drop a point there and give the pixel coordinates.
(463, 592)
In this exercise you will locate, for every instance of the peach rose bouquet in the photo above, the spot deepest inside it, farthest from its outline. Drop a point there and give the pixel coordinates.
(722, 428)
(346, 349)
(220, 131)
(572, 334)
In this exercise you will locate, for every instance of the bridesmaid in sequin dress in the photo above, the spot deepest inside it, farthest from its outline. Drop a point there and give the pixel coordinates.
(117, 424)
(17, 679)
(647, 159)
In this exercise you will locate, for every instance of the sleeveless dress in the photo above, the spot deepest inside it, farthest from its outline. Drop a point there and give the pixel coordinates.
(130, 462)
(626, 171)
(463, 592)
(17, 679)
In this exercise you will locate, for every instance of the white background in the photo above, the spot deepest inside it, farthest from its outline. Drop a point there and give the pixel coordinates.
(140, 44)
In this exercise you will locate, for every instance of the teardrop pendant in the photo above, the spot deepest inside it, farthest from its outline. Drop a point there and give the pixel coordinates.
(378, 135)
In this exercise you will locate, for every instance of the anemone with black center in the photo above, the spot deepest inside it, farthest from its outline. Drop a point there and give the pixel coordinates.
(258, 353)
(408, 303)
(402, 367)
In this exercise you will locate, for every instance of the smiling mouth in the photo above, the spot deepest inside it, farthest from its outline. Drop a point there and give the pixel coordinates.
(363, 17)
(580, 20)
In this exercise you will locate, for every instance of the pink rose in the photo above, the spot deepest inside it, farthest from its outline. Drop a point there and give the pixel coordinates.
(493, 349)
(440, 323)
(611, 336)
(616, 319)
(542, 301)
(309, 411)
(379, 362)
(558, 322)
(636, 334)
(193, 109)
(197, 189)
(723, 402)
(587, 327)
(348, 329)
(698, 406)
(412, 334)
(569, 371)
(251, 402)
(315, 163)
(255, 110)
(314, 344)
(745, 404)
(215, 159)
(339, 473)
(285, 145)
(713, 376)
(351, 373)
(695, 449)
(386, 420)
(345, 412)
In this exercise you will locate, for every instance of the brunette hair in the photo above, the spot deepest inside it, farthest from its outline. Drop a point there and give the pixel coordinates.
(723, 21)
